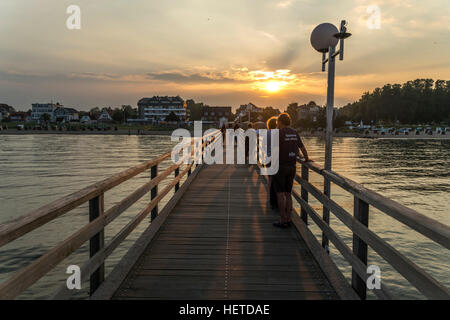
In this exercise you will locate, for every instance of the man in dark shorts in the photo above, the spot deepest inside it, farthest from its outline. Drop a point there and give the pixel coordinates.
(289, 145)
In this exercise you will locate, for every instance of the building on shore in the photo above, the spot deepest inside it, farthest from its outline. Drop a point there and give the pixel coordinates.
(308, 111)
(216, 115)
(105, 116)
(19, 116)
(159, 108)
(66, 114)
(5, 111)
(244, 109)
(249, 112)
(85, 119)
(39, 109)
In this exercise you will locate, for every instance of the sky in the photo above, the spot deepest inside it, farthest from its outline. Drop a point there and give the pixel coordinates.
(223, 53)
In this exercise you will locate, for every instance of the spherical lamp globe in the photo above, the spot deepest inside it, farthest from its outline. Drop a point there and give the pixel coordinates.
(323, 37)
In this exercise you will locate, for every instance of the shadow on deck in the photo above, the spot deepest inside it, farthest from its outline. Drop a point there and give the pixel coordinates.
(219, 243)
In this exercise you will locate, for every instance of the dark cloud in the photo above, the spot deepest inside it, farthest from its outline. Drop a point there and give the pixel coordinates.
(192, 78)
(285, 57)
(32, 77)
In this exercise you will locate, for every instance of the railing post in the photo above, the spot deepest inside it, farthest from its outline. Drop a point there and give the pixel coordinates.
(257, 149)
(203, 146)
(97, 242)
(326, 213)
(304, 193)
(154, 192)
(177, 172)
(361, 213)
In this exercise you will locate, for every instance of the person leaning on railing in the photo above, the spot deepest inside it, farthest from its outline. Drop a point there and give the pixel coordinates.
(289, 145)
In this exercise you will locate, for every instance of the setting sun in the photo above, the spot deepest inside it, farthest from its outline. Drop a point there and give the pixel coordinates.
(273, 86)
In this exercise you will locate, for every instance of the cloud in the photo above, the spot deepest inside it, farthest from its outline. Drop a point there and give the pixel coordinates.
(23, 76)
(178, 77)
(200, 48)
(286, 55)
(285, 4)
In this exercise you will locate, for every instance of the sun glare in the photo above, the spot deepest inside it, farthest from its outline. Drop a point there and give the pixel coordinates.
(273, 86)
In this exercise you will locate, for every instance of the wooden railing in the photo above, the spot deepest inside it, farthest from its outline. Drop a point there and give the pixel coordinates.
(99, 218)
(363, 237)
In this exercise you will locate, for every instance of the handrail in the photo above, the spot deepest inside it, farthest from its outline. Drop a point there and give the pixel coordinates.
(363, 236)
(428, 227)
(93, 263)
(346, 252)
(16, 228)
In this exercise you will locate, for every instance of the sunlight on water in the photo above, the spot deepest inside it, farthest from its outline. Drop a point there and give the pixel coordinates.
(35, 170)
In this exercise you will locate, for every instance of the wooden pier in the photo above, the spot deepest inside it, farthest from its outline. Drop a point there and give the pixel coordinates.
(219, 243)
(214, 239)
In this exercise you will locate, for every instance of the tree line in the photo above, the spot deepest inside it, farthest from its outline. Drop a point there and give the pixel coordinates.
(413, 102)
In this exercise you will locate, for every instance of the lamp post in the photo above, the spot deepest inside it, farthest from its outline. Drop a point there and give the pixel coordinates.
(324, 39)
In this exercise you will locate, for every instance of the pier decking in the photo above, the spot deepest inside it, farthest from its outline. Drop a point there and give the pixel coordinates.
(214, 238)
(219, 243)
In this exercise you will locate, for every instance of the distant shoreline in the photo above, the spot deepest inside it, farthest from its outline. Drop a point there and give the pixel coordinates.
(168, 133)
(379, 136)
(91, 133)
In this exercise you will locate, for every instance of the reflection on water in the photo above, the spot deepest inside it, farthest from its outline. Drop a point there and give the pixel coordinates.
(35, 170)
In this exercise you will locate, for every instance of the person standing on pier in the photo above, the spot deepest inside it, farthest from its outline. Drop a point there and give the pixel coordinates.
(236, 127)
(223, 130)
(271, 125)
(247, 143)
(283, 180)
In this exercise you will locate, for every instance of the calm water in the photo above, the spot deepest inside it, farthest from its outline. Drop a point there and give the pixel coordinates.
(35, 170)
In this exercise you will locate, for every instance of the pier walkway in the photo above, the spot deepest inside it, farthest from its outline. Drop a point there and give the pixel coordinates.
(214, 238)
(219, 243)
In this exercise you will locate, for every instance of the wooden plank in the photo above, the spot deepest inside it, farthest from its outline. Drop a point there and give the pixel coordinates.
(25, 277)
(233, 250)
(33, 272)
(196, 283)
(353, 260)
(333, 274)
(361, 213)
(118, 274)
(304, 194)
(207, 294)
(154, 191)
(290, 261)
(94, 230)
(413, 273)
(97, 241)
(430, 228)
(97, 259)
(268, 274)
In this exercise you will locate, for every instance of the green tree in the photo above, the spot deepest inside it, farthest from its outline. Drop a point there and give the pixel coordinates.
(269, 112)
(128, 112)
(413, 102)
(195, 109)
(45, 117)
(118, 115)
(95, 112)
(292, 109)
(172, 117)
